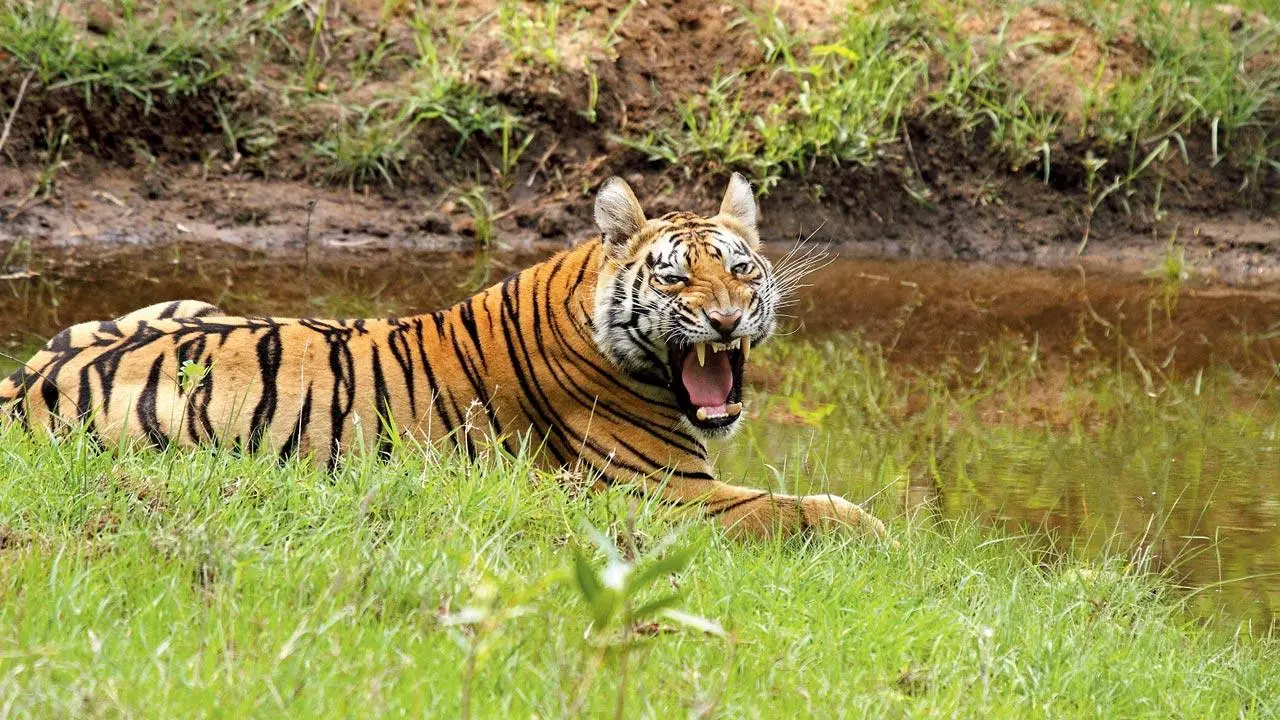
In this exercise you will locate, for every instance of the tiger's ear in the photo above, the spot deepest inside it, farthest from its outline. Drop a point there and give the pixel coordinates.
(740, 204)
(618, 213)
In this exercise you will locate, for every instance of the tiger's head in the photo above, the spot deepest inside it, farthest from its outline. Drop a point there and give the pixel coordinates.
(683, 298)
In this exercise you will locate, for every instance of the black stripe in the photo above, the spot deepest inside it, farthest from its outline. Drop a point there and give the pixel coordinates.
(147, 405)
(437, 399)
(659, 467)
(291, 445)
(190, 351)
(107, 364)
(665, 435)
(514, 340)
(342, 367)
(586, 334)
(170, 310)
(23, 379)
(466, 314)
(716, 512)
(198, 409)
(557, 423)
(399, 346)
(49, 389)
(59, 343)
(462, 428)
(84, 409)
(644, 345)
(602, 406)
(381, 405)
(270, 353)
(193, 351)
(477, 387)
(110, 328)
(458, 425)
(84, 404)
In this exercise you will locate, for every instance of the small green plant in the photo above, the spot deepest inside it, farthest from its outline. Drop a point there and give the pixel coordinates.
(811, 416)
(778, 41)
(365, 150)
(190, 374)
(1171, 274)
(846, 109)
(313, 67)
(610, 39)
(511, 152)
(624, 595)
(476, 201)
(477, 627)
(1095, 196)
(440, 93)
(144, 59)
(593, 94)
(530, 34)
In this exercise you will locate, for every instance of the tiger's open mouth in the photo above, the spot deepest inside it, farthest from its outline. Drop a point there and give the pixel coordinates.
(707, 380)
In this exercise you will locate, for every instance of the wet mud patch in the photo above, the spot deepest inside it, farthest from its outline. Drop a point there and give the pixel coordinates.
(853, 214)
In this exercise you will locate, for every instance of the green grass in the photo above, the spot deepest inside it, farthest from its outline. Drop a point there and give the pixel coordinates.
(846, 107)
(1201, 93)
(199, 584)
(849, 89)
(365, 150)
(269, 71)
(142, 59)
(530, 33)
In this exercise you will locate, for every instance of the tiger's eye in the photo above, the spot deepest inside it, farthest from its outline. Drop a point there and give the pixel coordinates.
(743, 268)
(670, 279)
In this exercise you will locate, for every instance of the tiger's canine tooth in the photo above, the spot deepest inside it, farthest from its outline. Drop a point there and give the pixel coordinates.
(746, 348)
(733, 408)
(701, 349)
(702, 413)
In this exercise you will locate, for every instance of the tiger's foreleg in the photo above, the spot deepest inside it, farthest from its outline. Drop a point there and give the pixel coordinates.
(753, 512)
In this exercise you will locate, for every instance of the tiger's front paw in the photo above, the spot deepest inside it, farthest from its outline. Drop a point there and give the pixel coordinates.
(832, 512)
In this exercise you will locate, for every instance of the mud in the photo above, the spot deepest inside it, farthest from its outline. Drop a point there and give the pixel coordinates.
(111, 206)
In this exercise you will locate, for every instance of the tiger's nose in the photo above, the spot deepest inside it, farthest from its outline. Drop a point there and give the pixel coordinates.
(725, 322)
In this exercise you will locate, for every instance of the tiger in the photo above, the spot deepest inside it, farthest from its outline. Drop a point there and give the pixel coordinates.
(622, 356)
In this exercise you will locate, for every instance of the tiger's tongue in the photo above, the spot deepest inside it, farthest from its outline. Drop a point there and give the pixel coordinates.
(708, 385)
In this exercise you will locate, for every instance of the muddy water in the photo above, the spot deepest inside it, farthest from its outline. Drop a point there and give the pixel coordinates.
(1212, 515)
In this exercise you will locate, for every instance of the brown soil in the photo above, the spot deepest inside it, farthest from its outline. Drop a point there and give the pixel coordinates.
(940, 196)
(1053, 56)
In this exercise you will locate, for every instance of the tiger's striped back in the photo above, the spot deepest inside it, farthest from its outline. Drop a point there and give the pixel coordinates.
(517, 357)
